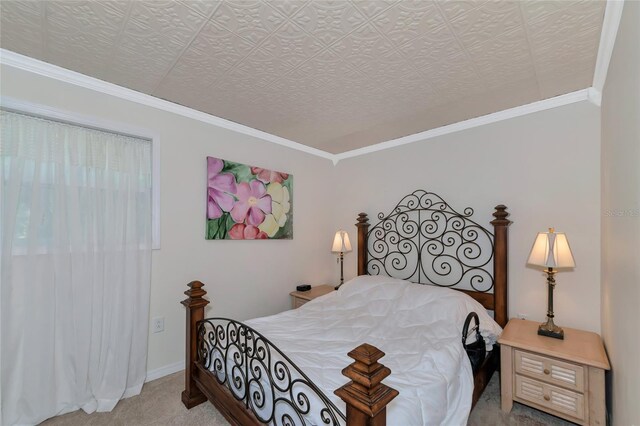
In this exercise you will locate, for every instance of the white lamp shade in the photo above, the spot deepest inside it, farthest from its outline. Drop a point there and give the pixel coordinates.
(341, 243)
(551, 250)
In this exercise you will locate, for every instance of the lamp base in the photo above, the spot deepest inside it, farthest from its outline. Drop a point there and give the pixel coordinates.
(549, 329)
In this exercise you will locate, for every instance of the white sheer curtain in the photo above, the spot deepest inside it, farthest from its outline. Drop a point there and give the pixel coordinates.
(76, 265)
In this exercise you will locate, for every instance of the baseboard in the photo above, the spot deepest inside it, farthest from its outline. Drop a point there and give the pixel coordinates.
(164, 371)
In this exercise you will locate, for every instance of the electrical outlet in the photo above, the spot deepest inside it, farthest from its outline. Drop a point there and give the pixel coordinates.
(157, 324)
(522, 316)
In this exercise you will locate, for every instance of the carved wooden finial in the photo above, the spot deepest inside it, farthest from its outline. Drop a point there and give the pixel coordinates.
(194, 295)
(501, 216)
(366, 397)
(363, 220)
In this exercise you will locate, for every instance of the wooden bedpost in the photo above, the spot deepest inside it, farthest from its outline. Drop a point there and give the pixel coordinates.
(192, 396)
(365, 396)
(363, 229)
(500, 257)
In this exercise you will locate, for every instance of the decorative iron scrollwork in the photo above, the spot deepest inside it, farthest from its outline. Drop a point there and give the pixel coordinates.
(259, 374)
(426, 241)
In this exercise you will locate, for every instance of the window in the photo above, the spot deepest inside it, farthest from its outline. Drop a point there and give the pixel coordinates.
(81, 177)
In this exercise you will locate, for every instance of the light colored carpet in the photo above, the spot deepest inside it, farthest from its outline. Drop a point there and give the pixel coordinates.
(160, 404)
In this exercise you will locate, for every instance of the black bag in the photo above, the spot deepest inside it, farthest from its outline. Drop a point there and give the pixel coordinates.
(476, 350)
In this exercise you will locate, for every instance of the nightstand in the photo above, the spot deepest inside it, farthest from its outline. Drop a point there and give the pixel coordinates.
(299, 298)
(561, 377)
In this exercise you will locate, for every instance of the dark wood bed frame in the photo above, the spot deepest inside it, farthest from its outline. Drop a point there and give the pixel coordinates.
(365, 396)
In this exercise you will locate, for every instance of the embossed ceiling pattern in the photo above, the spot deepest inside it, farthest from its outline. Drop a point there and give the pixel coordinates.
(335, 75)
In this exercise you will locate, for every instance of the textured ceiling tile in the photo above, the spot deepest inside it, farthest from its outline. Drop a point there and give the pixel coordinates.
(488, 101)
(252, 20)
(436, 45)
(562, 81)
(371, 8)
(328, 69)
(411, 88)
(332, 74)
(153, 39)
(199, 69)
(21, 28)
(292, 45)
(293, 82)
(504, 59)
(408, 19)
(445, 70)
(402, 124)
(501, 48)
(575, 48)
(329, 21)
(550, 69)
(219, 46)
(487, 21)
(362, 46)
(237, 89)
(454, 78)
(567, 21)
(454, 8)
(81, 35)
(387, 68)
(288, 7)
(538, 9)
(521, 68)
(204, 7)
(166, 21)
(101, 21)
(261, 67)
(183, 91)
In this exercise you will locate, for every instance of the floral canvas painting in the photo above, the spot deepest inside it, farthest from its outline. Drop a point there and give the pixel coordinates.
(248, 203)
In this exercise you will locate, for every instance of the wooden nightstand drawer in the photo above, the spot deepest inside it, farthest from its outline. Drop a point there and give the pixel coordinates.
(297, 302)
(550, 370)
(550, 396)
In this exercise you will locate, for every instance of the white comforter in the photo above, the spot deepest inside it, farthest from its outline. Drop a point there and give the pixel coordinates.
(419, 329)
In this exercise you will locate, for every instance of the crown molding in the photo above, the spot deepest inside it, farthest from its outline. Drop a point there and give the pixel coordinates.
(558, 101)
(610, 24)
(595, 96)
(36, 66)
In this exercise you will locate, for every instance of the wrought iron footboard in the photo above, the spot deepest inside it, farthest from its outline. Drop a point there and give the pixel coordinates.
(260, 375)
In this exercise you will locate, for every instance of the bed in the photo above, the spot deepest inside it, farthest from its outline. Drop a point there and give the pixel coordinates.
(256, 373)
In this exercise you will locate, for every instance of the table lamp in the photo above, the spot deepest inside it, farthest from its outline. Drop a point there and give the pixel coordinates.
(551, 250)
(342, 245)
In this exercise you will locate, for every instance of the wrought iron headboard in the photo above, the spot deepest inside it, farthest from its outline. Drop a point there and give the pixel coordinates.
(424, 240)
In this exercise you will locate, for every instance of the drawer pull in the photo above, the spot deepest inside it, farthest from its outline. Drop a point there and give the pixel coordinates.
(547, 398)
(547, 372)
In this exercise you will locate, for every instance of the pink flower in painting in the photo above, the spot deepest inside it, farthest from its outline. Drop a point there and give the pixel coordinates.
(267, 176)
(220, 186)
(253, 203)
(240, 231)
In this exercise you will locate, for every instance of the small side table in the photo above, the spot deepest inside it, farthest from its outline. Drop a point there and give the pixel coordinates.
(561, 377)
(299, 298)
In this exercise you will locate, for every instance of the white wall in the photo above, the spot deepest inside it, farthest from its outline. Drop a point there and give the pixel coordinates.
(545, 167)
(244, 278)
(621, 218)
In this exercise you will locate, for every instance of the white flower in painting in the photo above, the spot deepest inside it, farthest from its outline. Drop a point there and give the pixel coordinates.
(280, 206)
